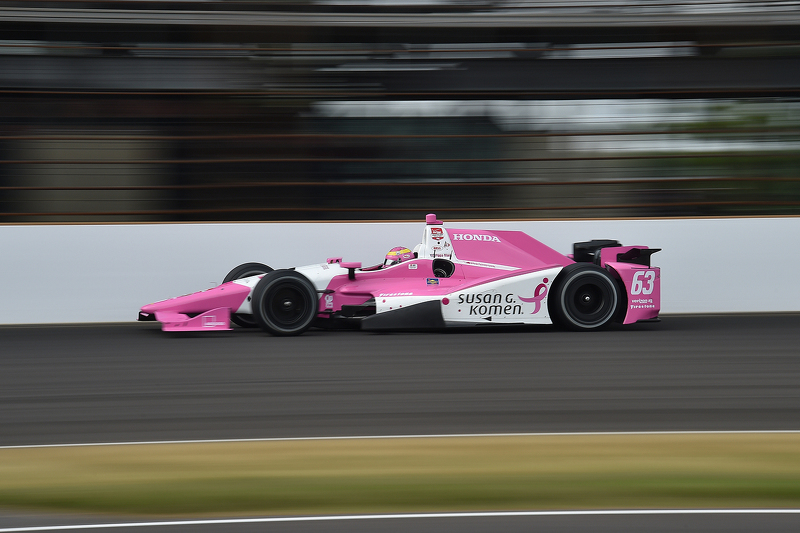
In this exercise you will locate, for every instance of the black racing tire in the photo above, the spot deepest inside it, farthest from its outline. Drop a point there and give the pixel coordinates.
(585, 298)
(285, 303)
(245, 271)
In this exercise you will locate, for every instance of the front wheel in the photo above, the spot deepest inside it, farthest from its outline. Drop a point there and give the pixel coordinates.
(585, 298)
(245, 271)
(284, 303)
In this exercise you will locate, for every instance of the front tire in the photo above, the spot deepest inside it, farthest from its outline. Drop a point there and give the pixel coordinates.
(585, 298)
(285, 303)
(245, 271)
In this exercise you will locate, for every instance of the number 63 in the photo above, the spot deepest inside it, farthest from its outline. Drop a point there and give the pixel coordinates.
(643, 282)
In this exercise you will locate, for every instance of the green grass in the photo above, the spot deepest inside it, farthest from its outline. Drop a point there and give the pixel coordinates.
(407, 475)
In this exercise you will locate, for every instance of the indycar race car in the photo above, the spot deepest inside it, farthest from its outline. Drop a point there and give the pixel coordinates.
(452, 278)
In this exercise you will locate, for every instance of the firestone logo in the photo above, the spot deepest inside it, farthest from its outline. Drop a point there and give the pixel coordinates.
(474, 237)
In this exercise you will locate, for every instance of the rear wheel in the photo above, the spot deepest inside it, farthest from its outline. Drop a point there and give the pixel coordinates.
(285, 303)
(245, 271)
(585, 298)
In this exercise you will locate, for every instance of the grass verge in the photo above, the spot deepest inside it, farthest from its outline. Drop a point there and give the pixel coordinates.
(408, 475)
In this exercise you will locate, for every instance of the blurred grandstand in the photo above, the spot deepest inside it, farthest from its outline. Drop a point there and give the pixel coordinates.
(147, 110)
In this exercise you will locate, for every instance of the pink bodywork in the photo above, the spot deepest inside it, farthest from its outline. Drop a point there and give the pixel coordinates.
(512, 248)
(478, 257)
(642, 283)
(191, 312)
(516, 250)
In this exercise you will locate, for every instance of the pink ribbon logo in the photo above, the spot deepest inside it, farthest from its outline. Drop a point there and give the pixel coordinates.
(538, 296)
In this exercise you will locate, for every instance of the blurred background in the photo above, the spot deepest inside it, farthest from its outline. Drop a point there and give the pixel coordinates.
(193, 111)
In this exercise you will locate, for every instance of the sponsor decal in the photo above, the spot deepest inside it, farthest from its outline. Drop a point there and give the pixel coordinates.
(412, 266)
(643, 303)
(491, 304)
(475, 237)
(500, 304)
(437, 234)
(433, 281)
(210, 321)
(476, 263)
(538, 295)
(329, 301)
(396, 294)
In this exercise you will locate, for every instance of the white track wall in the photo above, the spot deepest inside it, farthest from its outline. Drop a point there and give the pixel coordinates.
(105, 273)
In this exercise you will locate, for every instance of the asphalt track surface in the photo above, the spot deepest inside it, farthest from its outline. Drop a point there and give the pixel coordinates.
(133, 382)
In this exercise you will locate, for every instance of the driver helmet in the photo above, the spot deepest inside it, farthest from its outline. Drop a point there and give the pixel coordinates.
(398, 254)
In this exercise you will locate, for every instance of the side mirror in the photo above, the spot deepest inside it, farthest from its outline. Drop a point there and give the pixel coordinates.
(443, 268)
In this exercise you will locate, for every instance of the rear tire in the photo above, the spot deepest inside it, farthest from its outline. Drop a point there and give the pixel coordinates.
(585, 298)
(285, 303)
(245, 271)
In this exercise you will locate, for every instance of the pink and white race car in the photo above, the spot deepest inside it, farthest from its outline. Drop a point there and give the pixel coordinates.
(452, 278)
